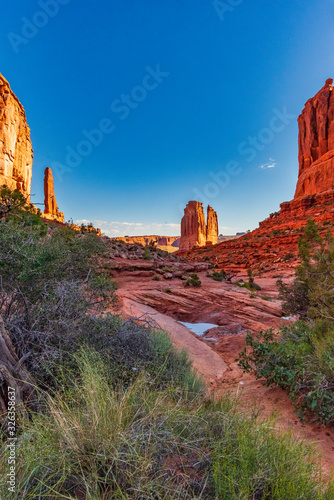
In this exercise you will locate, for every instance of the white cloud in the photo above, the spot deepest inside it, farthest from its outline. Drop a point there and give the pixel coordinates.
(270, 164)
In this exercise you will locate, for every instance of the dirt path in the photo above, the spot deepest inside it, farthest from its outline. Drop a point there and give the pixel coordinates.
(235, 311)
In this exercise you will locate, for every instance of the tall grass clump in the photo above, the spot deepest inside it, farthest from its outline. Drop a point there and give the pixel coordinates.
(95, 440)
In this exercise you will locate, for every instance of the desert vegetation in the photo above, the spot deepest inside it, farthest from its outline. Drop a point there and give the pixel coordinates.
(300, 358)
(108, 408)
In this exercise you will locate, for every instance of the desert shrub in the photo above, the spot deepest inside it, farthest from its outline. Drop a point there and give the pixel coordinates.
(49, 284)
(297, 361)
(300, 358)
(218, 275)
(288, 257)
(147, 254)
(295, 298)
(156, 278)
(98, 441)
(250, 285)
(193, 281)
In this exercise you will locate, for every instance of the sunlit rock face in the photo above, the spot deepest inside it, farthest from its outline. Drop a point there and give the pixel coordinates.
(316, 143)
(195, 232)
(16, 154)
(51, 210)
(193, 227)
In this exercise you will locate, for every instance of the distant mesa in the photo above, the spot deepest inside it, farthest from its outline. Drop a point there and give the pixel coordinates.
(195, 232)
(16, 154)
(167, 243)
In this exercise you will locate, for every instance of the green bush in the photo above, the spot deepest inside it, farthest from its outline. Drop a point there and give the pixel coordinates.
(147, 254)
(297, 361)
(193, 281)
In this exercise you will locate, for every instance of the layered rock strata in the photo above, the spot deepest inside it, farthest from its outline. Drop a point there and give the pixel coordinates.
(316, 143)
(16, 154)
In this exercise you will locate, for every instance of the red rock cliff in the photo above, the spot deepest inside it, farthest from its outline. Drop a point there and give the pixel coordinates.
(16, 154)
(316, 143)
(193, 228)
(51, 210)
(211, 227)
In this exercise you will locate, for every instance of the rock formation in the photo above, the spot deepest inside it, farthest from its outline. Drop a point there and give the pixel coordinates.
(194, 231)
(211, 227)
(51, 210)
(274, 245)
(193, 228)
(16, 154)
(316, 143)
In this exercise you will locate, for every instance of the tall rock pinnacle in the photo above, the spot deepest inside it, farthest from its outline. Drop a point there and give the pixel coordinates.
(51, 210)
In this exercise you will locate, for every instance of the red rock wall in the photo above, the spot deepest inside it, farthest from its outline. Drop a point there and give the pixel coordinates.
(316, 143)
(16, 154)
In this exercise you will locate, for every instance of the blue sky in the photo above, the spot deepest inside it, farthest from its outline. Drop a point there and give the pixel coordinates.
(166, 101)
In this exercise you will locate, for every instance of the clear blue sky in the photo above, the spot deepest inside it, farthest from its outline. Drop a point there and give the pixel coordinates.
(197, 87)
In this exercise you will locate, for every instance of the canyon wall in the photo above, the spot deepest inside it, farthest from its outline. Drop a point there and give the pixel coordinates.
(316, 143)
(194, 231)
(16, 154)
(51, 210)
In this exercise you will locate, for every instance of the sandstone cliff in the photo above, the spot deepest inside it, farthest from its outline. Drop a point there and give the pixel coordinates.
(274, 245)
(51, 210)
(316, 143)
(211, 227)
(193, 227)
(16, 154)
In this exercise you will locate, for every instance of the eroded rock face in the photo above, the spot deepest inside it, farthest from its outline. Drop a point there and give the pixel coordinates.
(16, 154)
(316, 143)
(211, 227)
(194, 231)
(193, 227)
(51, 210)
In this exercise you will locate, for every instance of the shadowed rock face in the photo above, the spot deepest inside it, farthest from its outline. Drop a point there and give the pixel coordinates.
(316, 143)
(51, 210)
(16, 154)
(211, 227)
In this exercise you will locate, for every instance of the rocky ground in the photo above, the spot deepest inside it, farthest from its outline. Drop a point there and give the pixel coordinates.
(154, 291)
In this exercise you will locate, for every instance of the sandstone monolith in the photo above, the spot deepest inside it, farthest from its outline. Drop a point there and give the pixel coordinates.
(51, 210)
(316, 143)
